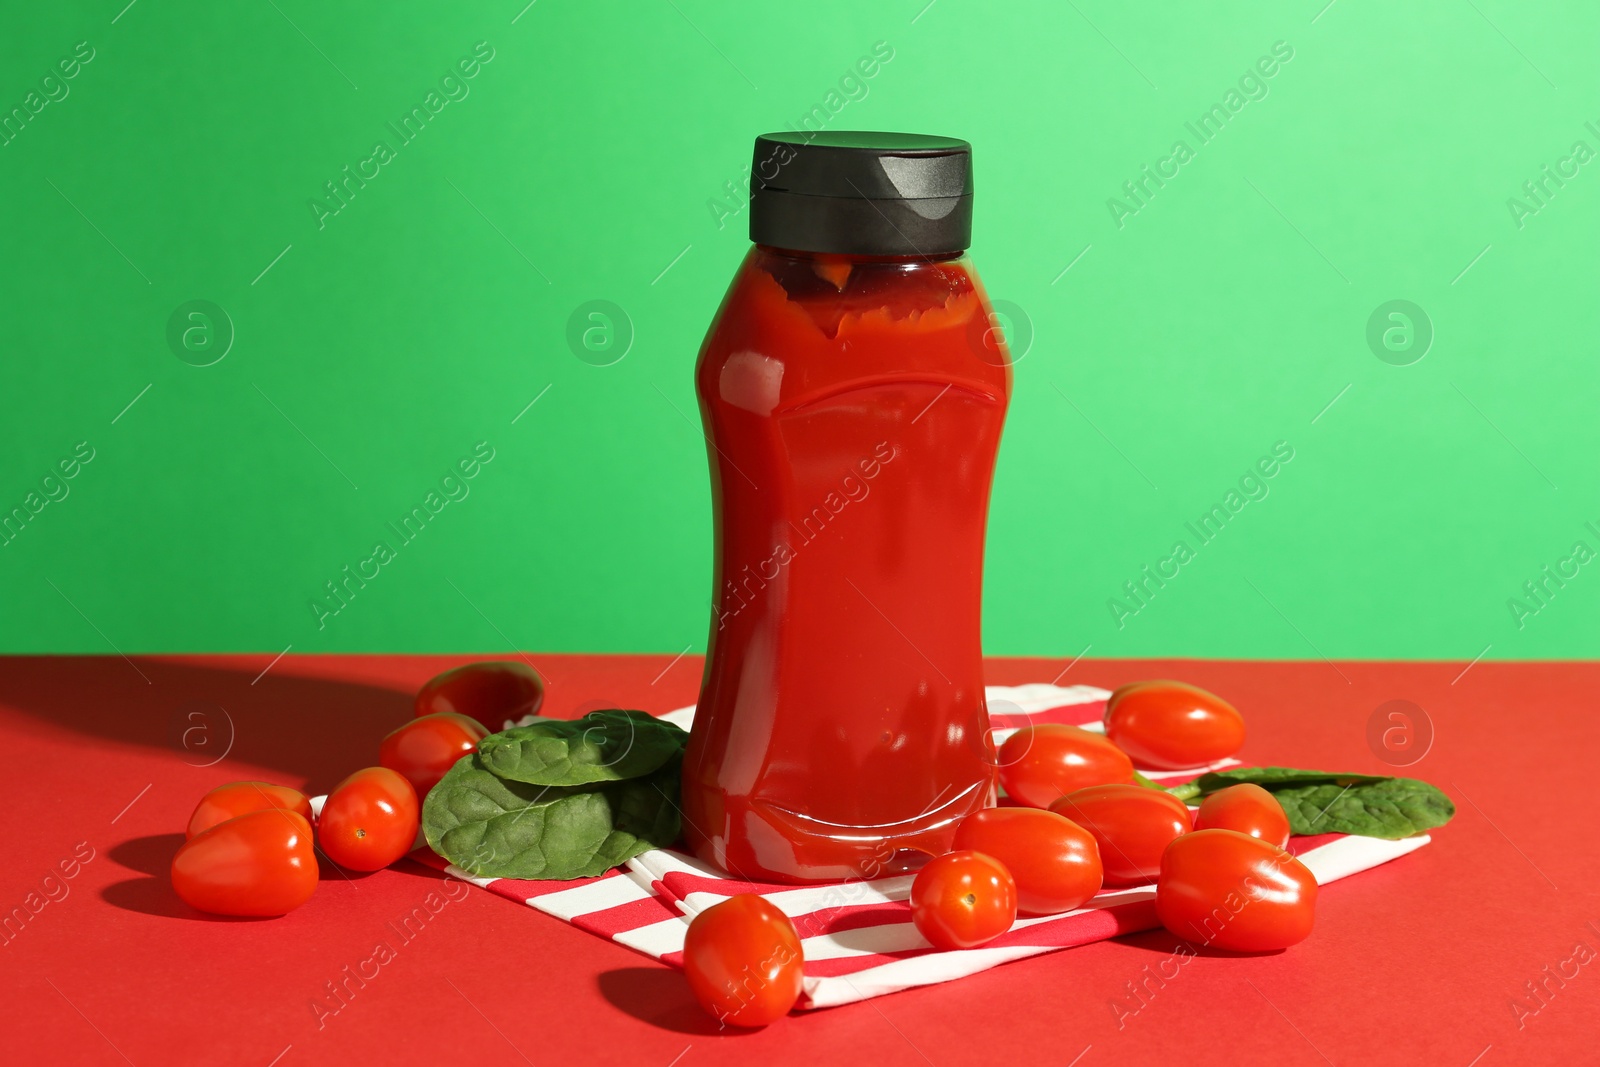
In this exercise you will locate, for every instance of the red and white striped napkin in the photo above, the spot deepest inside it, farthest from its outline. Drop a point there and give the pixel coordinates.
(857, 936)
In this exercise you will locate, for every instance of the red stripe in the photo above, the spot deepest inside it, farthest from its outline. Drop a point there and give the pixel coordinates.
(625, 917)
(852, 964)
(857, 917)
(680, 884)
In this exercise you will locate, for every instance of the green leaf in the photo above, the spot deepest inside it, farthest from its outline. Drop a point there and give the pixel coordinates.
(493, 828)
(603, 746)
(1322, 802)
(1385, 807)
(1278, 777)
(1269, 778)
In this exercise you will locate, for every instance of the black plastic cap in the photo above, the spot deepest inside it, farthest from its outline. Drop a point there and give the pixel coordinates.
(871, 194)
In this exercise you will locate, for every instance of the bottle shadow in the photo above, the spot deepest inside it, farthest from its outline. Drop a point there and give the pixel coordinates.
(295, 729)
(311, 731)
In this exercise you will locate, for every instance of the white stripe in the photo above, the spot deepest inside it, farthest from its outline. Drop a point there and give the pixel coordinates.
(456, 872)
(657, 939)
(804, 900)
(529, 720)
(596, 896)
(1192, 771)
(1106, 898)
(660, 862)
(907, 973)
(681, 717)
(1041, 696)
(1003, 733)
(1028, 699)
(865, 941)
(1350, 855)
(819, 898)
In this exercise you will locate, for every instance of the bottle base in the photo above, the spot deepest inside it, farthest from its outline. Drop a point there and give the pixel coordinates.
(765, 842)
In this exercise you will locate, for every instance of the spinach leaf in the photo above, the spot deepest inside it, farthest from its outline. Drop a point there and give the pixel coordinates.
(1274, 777)
(1322, 802)
(1388, 807)
(1269, 778)
(493, 828)
(603, 746)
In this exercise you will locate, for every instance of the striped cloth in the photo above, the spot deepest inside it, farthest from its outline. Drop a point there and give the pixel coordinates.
(857, 936)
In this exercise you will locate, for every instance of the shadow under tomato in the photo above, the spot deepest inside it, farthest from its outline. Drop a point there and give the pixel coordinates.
(660, 996)
(147, 855)
(155, 896)
(152, 855)
(1162, 943)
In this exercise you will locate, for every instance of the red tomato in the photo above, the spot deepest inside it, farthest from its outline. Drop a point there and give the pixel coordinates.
(1053, 860)
(369, 820)
(494, 693)
(1240, 893)
(963, 900)
(234, 799)
(1248, 809)
(423, 749)
(1173, 725)
(261, 863)
(742, 958)
(1041, 763)
(1132, 825)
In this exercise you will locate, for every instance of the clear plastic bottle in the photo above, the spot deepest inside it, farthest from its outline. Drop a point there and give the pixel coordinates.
(853, 390)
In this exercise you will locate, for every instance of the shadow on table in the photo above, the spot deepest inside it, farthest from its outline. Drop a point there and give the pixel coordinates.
(1162, 944)
(660, 996)
(310, 731)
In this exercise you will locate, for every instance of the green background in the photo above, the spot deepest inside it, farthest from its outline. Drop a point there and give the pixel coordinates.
(370, 354)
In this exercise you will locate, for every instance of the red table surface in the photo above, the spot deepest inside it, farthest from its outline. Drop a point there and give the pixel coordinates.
(1421, 961)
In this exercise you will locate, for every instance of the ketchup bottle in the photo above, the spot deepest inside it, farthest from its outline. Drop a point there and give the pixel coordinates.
(852, 389)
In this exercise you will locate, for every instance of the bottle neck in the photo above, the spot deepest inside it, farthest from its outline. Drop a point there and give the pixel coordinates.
(847, 257)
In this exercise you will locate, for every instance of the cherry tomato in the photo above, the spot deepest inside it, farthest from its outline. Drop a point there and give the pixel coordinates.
(1248, 809)
(1223, 888)
(1038, 764)
(1132, 825)
(423, 749)
(1173, 725)
(369, 820)
(1053, 860)
(963, 900)
(234, 799)
(743, 961)
(260, 863)
(494, 693)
